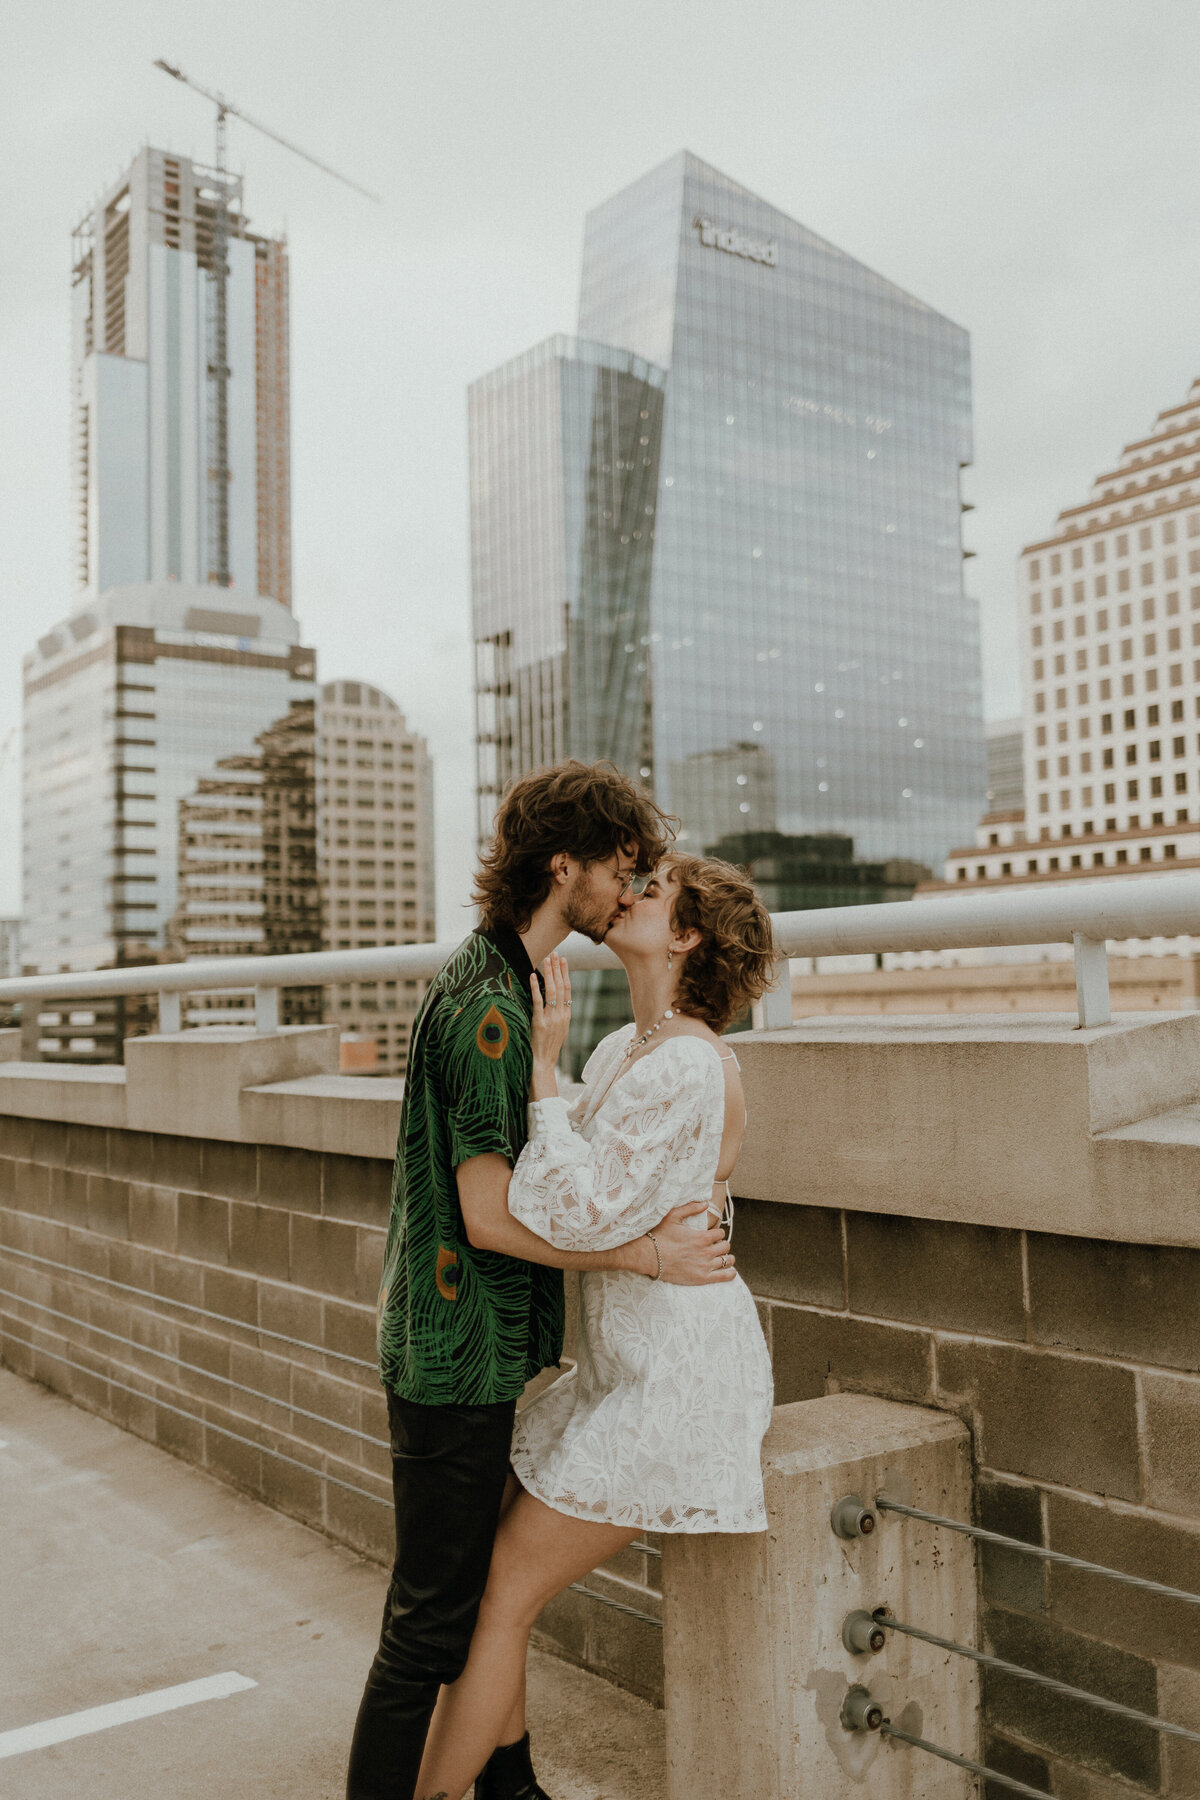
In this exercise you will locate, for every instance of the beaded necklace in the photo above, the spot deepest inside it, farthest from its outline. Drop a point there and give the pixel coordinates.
(636, 1043)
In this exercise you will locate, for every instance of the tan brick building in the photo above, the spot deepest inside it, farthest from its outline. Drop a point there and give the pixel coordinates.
(375, 806)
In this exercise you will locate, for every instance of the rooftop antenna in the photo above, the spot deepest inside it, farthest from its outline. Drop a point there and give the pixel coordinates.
(218, 365)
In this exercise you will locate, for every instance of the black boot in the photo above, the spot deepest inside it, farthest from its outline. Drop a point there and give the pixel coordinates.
(508, 1775)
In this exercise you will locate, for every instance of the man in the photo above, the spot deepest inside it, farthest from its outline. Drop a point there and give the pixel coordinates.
(471, 1304)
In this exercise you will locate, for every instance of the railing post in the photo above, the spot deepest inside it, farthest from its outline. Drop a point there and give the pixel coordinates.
(170, 1013)
(1091, 981)
(266, 1010)
(775, 1007)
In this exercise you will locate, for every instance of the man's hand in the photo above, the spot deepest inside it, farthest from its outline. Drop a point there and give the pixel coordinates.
(690, 1257)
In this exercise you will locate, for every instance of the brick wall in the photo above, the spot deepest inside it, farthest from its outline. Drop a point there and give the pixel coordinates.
(267, 1238)
(1075, 1362)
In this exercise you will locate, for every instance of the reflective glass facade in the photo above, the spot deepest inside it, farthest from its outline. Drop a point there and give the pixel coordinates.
(795, 624)
(564, 446)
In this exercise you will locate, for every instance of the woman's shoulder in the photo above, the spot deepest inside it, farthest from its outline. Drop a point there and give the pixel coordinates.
(699, 1053)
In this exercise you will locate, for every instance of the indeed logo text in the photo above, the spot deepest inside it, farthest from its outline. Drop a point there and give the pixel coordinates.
(728, 238)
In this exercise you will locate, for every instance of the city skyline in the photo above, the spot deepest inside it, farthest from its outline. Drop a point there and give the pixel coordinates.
(895, 154)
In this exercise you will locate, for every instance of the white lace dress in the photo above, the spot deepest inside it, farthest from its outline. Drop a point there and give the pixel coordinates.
(660, 1424)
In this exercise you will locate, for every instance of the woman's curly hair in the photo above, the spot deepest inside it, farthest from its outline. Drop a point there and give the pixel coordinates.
(590, 810)
(734, 963)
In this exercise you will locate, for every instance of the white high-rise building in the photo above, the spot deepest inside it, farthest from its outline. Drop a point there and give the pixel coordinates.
(1110, 663)
(1110, 640)
(375, 813)
(181, 466)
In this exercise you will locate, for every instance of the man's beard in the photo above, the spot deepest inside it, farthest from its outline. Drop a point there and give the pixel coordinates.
(586, 913)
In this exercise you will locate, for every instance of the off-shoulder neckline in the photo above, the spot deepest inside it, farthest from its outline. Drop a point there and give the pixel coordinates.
(682, 1037)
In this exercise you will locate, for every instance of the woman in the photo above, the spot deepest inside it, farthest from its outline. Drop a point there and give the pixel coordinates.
(660, 1424)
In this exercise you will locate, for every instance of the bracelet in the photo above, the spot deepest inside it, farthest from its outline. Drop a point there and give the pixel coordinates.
(657, 1276)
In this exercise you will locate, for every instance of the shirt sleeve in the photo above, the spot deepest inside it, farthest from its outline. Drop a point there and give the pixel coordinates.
(593, 1194)
(486, 1065)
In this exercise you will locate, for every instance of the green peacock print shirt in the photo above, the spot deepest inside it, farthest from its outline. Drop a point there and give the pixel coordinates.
(457, 1325)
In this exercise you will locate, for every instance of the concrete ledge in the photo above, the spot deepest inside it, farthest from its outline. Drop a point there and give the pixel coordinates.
(341, 1114)
(981, 1120)
(227, 1084)
(191, 1082)
(79, 1095)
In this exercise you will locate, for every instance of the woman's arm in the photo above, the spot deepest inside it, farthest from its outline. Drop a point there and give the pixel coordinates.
(593, 1193)
(685, 1256)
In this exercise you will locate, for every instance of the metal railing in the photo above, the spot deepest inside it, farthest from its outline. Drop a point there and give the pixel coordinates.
(1087, 916)
(864, 1633)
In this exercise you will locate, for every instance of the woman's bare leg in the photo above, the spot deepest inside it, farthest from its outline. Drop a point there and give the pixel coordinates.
(538, 1553)
(514, 1730)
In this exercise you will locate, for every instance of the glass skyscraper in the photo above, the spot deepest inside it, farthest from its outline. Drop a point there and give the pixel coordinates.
(717, 536)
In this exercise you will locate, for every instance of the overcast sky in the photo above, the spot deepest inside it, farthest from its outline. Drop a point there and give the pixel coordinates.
(1028, 169)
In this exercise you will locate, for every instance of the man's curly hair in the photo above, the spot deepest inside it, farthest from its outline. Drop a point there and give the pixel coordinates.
(734, 963)
(590, 810)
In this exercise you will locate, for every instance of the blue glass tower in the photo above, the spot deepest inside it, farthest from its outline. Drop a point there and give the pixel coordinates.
(738, 488)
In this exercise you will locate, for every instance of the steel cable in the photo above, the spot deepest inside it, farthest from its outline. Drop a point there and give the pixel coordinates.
(205, 1424)
(1054, 1556)
(963, 1762)
(192, 1368)
(1046, 1681)
(280, 1337)
(631, 1612)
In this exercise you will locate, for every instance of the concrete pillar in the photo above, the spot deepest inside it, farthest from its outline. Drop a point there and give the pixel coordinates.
(191, 1082)
(756, 1671)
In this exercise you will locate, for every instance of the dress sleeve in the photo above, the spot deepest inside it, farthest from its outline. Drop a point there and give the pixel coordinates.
(593, 1194)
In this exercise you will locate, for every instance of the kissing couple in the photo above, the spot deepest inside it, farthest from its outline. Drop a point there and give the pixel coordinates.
(498, 1189)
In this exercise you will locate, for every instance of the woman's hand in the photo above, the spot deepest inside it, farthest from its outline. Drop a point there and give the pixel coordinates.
(551, 1022)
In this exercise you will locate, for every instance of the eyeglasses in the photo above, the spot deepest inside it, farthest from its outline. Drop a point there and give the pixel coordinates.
(633, 884)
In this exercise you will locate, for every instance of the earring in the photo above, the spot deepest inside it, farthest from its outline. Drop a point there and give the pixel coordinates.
(669, 954)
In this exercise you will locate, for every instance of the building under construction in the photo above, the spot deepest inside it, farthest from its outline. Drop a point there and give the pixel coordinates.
(180, 373)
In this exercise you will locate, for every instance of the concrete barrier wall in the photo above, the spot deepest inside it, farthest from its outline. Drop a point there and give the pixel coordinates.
(1038, 1276)
(256, 1239)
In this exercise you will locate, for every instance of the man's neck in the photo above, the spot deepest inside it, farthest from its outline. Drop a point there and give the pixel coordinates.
(544, 932)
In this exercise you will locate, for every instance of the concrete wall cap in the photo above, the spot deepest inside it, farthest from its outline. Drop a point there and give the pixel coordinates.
(1023, 1123)
(810, 1434)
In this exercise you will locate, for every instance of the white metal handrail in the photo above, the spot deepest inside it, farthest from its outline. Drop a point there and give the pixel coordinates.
(1085, 915)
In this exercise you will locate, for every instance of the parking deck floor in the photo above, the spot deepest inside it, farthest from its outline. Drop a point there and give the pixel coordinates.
(124, 1573)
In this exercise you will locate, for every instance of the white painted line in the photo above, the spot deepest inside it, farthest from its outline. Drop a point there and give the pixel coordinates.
(120, 1712)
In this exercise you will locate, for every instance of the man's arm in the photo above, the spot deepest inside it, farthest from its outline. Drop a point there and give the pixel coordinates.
(690, 1258)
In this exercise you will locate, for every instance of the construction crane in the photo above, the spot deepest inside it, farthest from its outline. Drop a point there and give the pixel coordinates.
(218, 364)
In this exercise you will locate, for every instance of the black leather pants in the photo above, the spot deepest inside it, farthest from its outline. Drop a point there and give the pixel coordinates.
(449, 1465)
